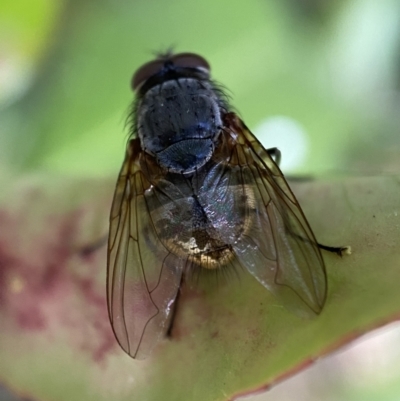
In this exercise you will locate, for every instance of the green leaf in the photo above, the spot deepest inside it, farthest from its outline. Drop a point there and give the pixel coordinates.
(229, 339)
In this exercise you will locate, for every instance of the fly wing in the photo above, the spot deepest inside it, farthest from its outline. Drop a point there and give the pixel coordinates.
(142, 276)
(279, 248)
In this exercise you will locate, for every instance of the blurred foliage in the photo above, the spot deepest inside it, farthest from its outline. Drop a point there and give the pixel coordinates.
(331, 66)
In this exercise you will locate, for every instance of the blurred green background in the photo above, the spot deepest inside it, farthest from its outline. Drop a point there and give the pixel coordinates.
(320, 79)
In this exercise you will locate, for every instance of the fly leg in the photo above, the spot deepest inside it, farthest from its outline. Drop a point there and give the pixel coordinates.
(339, 250)
(174, 310)
(94, 246)
(275, 153)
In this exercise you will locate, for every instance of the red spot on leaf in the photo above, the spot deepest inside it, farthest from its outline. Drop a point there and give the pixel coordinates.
(46, 284)
(31, 319)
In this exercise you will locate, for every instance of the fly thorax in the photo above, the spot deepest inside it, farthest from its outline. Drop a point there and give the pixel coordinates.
(179, 123)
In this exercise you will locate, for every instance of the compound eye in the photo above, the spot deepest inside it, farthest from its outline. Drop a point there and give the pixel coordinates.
(191, 60)
(145, 72)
